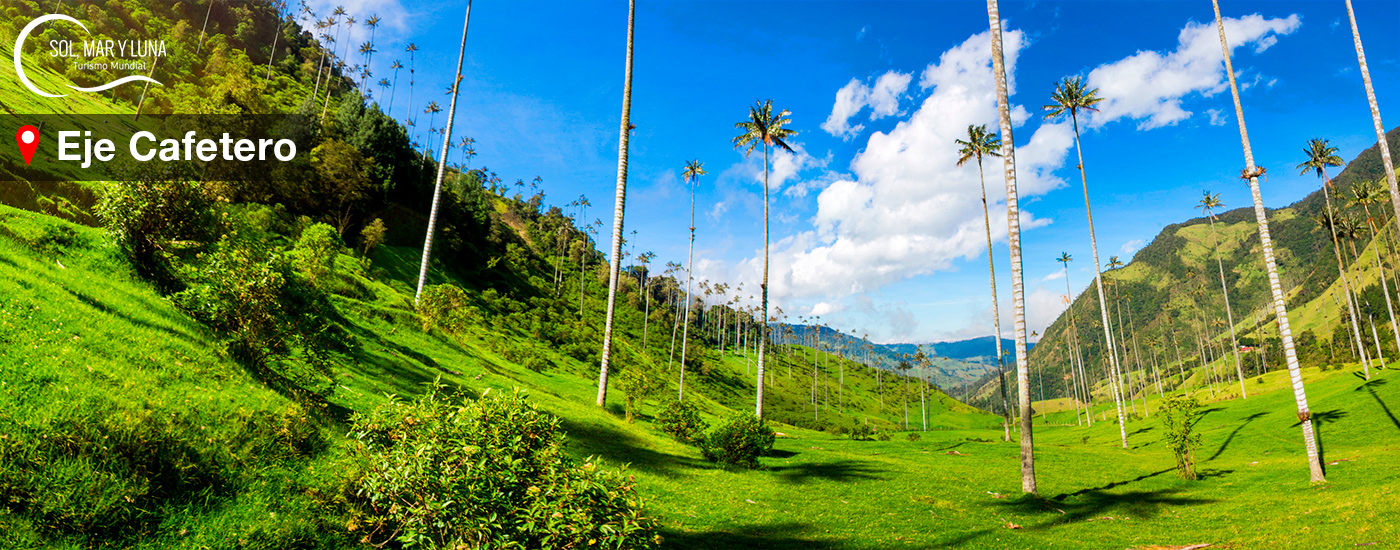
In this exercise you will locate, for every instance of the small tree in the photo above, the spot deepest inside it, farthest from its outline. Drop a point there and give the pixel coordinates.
(639, 382)
(315, 252)
(371, 236)
(1179, 417)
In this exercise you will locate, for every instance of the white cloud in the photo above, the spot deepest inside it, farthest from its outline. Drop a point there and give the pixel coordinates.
(909, 210)
(1053, 276)
(1217, 117)
(1150, 86)
(822, 308)
(1132, 246)
(882, 98)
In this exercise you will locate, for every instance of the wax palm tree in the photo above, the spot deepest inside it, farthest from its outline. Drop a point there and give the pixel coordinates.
(278, 7)
(769, 130)
(1064, 260)
(468, 152)
(1381, 139)
(1252, 173)
(396, 66)
(366, 50)
(411, 49)
(619, 203)
(432, 110)
(1013, 222)
(384, 83)
(1210, 204)
(1365, 194)
(373, 24)
(326, 48)
(1112, 284)
(349, 24)
(437, 181)
(693, 170)
(1071, 96)
(980, 143)
(1320, 156)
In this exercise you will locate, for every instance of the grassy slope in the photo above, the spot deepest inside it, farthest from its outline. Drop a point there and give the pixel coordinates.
(819, 491)
(1157, 279)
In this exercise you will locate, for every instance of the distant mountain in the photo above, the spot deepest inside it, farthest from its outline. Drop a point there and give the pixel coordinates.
(963, 364)
(981, 350)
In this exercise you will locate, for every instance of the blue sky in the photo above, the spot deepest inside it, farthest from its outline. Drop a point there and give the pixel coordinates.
(873, 226)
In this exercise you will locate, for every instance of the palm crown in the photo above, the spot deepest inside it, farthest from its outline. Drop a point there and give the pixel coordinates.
(693, 169)
(1320, 156)
(1209, 203)
(1071, 96)
(763, 127)
(979, 143)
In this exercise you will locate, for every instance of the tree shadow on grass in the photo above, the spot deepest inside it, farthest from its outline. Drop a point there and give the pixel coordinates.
(1370, 388)
(771, 536)
(619, 447)
(839, 471)
(1089, 504)
(1231, 437)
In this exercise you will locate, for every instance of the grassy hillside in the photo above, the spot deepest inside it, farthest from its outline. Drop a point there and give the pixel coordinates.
(1168, 297)
(96, 348)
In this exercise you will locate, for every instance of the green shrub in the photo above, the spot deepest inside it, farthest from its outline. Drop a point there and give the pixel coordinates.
(1179, 416)
(882, 435)
(488, 473)
(739, 441)
(446, 307)
(147, 216)
(315, 252)
(638, 381)
(264, 310)
(913, 436)
(861, 432)
(682, 420)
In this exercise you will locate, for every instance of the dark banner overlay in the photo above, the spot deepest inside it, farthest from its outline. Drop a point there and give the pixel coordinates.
(250, 148)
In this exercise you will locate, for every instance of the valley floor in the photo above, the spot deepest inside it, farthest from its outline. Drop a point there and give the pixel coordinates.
(961, 488)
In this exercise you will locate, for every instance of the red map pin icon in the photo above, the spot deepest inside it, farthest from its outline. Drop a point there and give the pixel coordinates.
(28, 140)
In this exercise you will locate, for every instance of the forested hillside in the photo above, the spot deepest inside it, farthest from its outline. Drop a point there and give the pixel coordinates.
(1167, 307)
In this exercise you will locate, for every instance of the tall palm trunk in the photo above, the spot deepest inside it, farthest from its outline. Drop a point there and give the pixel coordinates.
(763, 338)
(446, 141)
(1378, 239)
(689, 262)
(1381, 140)
(619, 204)
(1013, 223)
(1229, 314)
(1078, 349)
(1346, 281)
(1280, 308)
(1113, 370)
(996, 308)
(273, 55)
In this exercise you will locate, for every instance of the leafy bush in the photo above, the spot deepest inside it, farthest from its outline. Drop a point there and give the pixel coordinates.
(1179, 417)
(445, 307)
(882, 435)
(739, 441)
(266, 310)
(146, 215)
(682, 420)
(638, 381)
(913, 436)
(861, 432)
(315, 252)
(489, 473)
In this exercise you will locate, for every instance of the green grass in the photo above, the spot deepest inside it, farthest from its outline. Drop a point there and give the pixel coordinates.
(86, 343)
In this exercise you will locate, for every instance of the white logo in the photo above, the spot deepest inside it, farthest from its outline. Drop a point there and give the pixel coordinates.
(19, 67)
